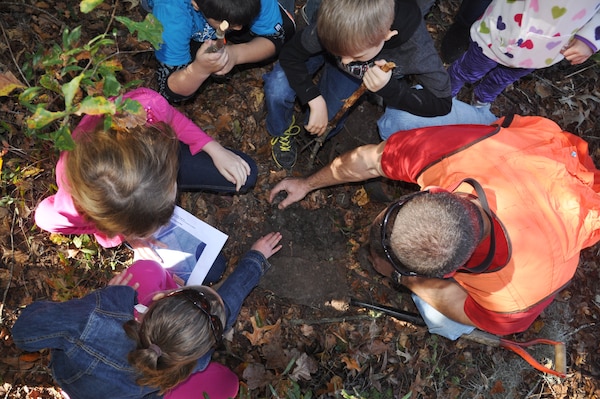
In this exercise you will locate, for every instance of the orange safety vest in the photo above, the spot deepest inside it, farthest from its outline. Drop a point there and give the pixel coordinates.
(543, 187)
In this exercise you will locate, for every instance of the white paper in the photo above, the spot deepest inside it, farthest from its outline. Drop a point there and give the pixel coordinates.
(184, 236)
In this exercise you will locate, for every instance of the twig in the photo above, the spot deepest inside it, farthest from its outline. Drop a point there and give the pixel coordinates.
(330, 320)
(12, 54)
(348, 103)
(579, 71)
(579, 329)
(220, 42)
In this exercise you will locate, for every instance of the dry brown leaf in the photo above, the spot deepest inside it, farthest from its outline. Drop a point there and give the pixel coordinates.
(256, 376)
(335, 383)
(275, 357)
(360, 197)
(18, 256)
(305, 366)
(8, 83)
(30, 357)
(497, 388)
(307, 330)
(351, 363)
(261, 335)
(377, 347)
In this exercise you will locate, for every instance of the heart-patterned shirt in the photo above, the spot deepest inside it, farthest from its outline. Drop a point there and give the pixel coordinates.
(531, 33)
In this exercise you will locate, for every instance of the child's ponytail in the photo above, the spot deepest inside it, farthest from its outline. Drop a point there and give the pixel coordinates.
(171, 338)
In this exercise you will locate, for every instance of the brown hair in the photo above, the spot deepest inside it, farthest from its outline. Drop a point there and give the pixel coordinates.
(433, 234)
(346, 27)
(179, 333)
(124, 181)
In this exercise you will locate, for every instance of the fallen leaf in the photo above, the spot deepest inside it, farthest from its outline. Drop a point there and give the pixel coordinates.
(307, 330)
(360, 197)
(256, 376)
(261, 335)
(497, 388)
(351, 363)
(30, 357)
(9, 83)
(305, 366)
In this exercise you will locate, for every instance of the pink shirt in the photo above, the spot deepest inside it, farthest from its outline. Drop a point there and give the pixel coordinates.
(57, 213)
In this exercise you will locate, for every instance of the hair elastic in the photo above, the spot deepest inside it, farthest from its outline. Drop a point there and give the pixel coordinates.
(156, 349)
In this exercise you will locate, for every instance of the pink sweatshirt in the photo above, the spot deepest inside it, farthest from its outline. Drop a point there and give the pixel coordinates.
(57, 213)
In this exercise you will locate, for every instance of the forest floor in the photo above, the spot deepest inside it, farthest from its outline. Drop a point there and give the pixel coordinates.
(296, 334)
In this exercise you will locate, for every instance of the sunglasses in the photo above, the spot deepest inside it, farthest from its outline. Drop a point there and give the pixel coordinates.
(199, 300)
(385, 237)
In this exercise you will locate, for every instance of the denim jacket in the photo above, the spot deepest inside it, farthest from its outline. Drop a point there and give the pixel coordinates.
(89, 346)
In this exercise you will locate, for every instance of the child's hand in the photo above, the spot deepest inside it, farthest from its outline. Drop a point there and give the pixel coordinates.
(576, 52)
(375, 79)
(207, 62)
(318, 118)
(233, 167)
(268, 245)
(143, 248)
(124, 279)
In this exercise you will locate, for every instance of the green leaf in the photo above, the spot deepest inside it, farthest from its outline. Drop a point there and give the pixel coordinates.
(150, 29)
(42, 117)
(71, 39)
(107, 122)
(48, 82)
(131, 106)
(111, 85)
(132, 84)
(88, 5)
(70, 89)
(96, 106)
(28, 95)
(71, 68)
(63, 140)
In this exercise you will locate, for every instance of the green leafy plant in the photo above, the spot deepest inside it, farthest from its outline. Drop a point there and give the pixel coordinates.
(73, 78)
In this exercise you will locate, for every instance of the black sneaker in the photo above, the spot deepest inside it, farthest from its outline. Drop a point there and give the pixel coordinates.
(455, 42)
(284, 148)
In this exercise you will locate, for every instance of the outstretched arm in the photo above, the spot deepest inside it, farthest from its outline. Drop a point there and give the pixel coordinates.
(360, 164)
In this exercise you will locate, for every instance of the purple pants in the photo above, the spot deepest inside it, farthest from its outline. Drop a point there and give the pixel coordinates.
(216, 380)
(474, 66)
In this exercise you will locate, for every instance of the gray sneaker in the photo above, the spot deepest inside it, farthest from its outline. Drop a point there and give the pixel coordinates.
(284, 148)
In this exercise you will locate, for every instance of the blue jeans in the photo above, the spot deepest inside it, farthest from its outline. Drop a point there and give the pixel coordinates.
(335, 86)
(199, 173)
(395, 120)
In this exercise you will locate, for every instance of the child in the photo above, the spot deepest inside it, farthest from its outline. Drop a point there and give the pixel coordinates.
(513, 38)
(102, 348)
(121, 185)
(257, 30)
(356, 37)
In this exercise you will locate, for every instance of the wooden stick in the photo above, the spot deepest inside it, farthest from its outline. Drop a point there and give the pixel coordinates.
(348, 103)
(220, 42)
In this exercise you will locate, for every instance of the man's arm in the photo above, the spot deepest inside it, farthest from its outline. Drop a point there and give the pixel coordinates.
(360, 164)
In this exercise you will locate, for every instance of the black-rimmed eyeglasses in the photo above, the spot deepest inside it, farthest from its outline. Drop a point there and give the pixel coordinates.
(385, 238)
(201, 302)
